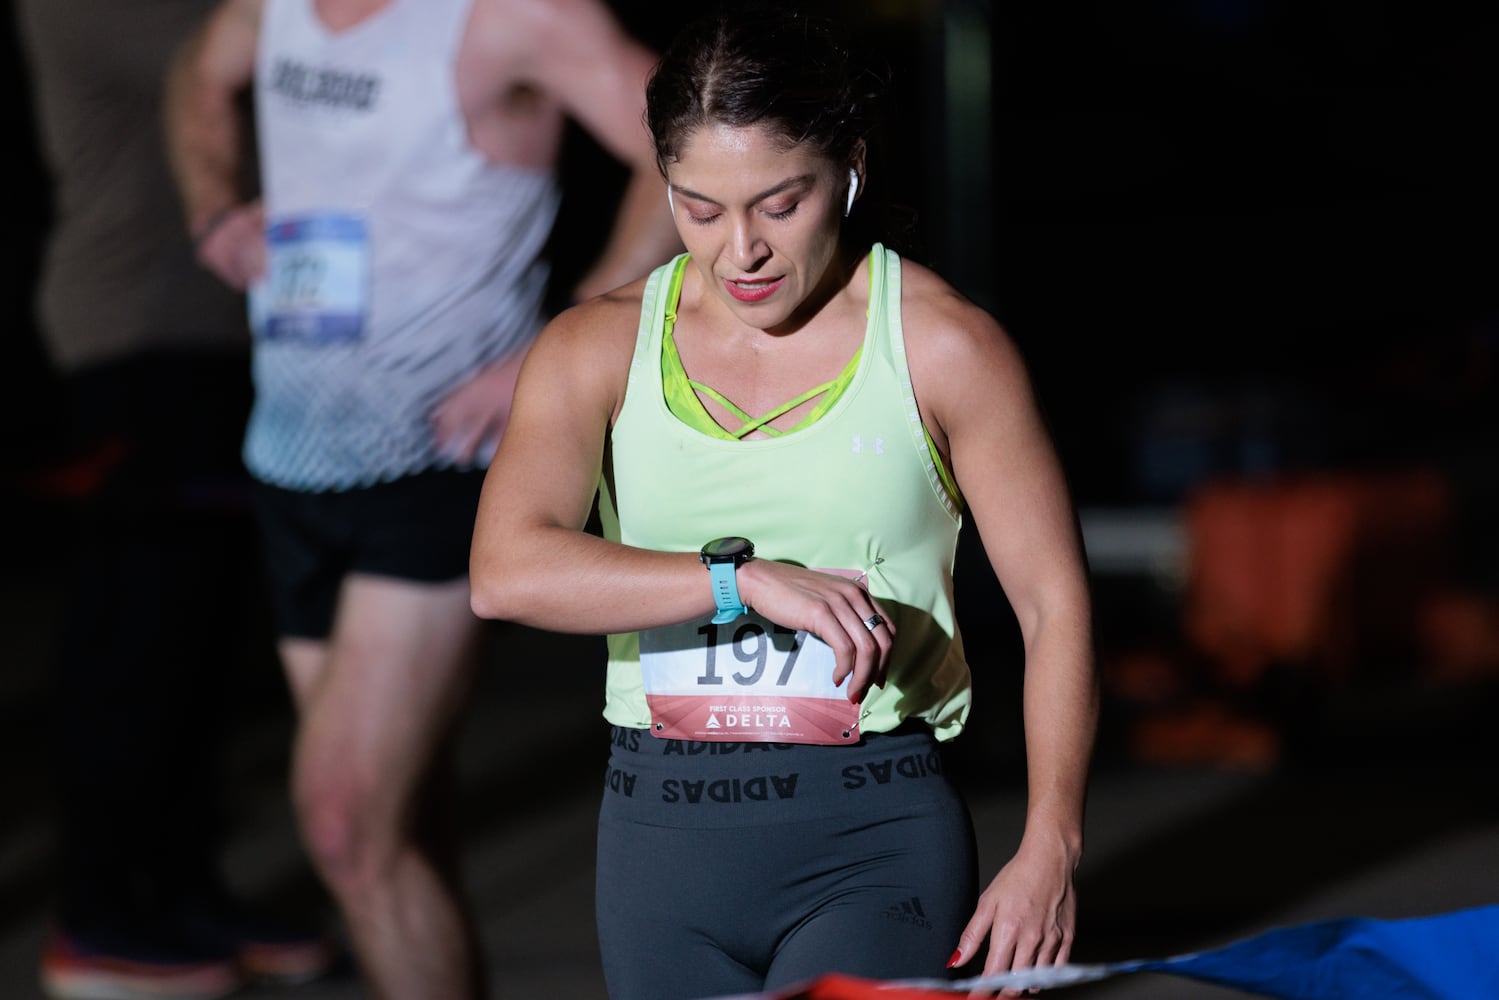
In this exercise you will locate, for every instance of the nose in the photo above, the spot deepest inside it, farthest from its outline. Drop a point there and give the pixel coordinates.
(747, 250)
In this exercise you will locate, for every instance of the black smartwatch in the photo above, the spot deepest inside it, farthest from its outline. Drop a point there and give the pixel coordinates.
(723, 556)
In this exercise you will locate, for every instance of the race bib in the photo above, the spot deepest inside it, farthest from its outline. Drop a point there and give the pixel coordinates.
(748, 681)
(316, 285)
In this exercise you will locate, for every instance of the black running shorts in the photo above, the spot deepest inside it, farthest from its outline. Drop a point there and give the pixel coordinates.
(416, 528)
(728, 868)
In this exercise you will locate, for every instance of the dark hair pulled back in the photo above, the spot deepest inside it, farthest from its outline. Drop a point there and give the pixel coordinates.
(765, 65)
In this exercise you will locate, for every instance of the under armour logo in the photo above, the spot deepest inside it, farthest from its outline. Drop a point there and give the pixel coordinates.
(858, 445)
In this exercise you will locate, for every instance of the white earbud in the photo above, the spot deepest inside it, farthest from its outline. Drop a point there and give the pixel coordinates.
(853, 189)
(669, 203)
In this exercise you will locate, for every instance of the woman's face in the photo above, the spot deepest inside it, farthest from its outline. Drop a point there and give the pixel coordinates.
(760, 220)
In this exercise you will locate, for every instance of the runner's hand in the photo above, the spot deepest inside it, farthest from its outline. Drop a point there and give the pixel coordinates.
(1028, 913)
(232, 246)
(833, 608)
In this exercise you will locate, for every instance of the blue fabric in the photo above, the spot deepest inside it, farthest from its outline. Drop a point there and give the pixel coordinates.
(1449, 956)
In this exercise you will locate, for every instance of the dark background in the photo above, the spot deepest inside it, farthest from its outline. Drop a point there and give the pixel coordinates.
(1238, 243)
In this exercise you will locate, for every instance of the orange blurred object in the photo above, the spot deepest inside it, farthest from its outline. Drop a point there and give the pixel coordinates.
(1322, 571)
(1206, 734)
(1460, 633)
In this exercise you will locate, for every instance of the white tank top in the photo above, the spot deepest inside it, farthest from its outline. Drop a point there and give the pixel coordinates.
(428, 254)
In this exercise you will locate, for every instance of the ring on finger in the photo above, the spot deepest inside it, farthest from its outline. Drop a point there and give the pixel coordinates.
(873, 622)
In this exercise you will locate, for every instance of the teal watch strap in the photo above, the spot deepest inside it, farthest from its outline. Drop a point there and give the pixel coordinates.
(726, 592)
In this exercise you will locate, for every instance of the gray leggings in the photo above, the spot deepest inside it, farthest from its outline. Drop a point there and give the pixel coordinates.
(743, 867)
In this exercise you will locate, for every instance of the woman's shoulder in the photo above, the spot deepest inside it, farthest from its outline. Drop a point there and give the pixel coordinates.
(612, 316)
(594, 340)
(932, 310)
(960, 356)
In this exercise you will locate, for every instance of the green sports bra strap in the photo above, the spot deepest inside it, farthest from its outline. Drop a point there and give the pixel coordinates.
(681, 390)
(752, 424)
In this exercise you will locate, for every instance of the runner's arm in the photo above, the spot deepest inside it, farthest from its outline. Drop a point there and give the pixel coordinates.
(205, 137)
(532, 561)
(974, 384)
(598, 74)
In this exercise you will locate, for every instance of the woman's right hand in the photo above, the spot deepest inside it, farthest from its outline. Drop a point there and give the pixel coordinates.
(833, 608)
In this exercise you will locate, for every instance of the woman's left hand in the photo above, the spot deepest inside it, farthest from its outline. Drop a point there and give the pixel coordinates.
(1028, 913)
(834, 608)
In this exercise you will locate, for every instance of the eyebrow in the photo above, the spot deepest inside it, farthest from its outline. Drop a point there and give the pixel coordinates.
(768, 192)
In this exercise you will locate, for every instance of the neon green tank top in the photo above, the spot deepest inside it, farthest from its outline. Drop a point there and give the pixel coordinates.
(857, 488)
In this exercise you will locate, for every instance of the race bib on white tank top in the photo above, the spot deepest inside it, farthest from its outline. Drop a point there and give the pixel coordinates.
(317, 281)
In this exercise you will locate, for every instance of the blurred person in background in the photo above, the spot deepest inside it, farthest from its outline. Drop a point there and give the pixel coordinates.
(393, 257)
(152, 354)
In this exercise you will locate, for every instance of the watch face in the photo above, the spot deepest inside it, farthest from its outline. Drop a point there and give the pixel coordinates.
(725, 549)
